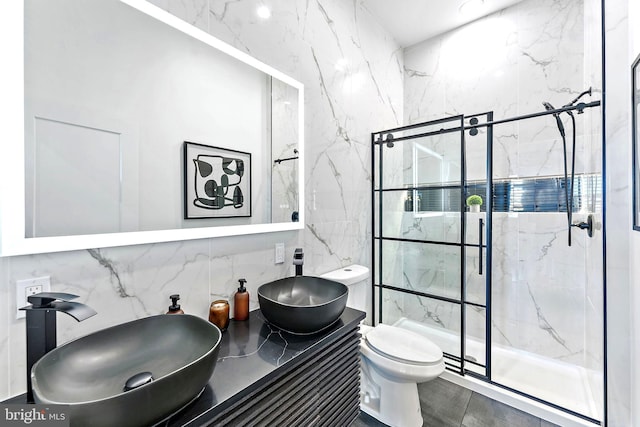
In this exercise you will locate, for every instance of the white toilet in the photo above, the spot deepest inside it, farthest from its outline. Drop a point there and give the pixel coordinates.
(393, 360)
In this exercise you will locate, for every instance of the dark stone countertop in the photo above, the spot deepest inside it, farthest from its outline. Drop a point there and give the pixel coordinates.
(253, 353)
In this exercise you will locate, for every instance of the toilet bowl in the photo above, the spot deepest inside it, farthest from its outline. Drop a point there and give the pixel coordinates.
(393, 360)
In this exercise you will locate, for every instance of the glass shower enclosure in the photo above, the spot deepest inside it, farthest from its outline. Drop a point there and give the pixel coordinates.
(497, 288)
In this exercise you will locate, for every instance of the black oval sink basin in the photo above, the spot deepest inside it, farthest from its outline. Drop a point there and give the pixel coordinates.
(133, 374)
(302, 304)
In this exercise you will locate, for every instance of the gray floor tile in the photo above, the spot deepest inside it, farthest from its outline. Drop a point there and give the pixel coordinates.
(443, 403)
(365, 420)
(544, 423)
(484, 412)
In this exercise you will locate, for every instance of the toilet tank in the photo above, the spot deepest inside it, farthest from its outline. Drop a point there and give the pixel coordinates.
(356, 278)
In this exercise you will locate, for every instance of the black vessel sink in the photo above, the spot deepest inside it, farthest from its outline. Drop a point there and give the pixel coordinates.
(302, 304)
(137, 373)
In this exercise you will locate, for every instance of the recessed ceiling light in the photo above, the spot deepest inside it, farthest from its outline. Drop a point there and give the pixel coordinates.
(264, 12)
(471, 7)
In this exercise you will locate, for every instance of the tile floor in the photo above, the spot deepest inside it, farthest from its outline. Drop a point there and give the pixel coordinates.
(445, 404)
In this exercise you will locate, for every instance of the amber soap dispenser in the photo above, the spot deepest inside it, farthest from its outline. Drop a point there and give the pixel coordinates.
(241, 302)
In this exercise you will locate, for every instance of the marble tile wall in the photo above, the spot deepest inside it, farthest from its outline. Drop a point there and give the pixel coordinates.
(352, 72)
(352, 75)
(622, 247)
(547, 297)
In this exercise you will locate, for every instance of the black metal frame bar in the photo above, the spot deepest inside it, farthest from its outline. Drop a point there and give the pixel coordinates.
(421, 294)
(489, 257)
(603, 37)
(579, 107)
(463, 249)
(635, 98)
(373, 229)
(429, 242)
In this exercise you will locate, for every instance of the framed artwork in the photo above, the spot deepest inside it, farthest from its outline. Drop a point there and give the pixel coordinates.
(635, 135)
(217, 182)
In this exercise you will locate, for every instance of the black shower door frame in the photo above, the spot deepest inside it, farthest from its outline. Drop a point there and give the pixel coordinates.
(380, 140)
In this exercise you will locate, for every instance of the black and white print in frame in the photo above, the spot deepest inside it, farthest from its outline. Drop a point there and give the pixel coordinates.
(217, 182)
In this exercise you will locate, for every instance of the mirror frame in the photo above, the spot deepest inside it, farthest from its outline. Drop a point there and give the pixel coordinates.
(12, 157)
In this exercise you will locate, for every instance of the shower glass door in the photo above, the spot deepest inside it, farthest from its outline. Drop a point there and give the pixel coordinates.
(547, 299)
(498, 289)
(419, 232)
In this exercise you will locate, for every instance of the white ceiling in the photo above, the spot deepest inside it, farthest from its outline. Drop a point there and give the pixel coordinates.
(412, 21)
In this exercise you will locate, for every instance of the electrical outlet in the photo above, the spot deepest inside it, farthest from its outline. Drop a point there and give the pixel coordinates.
(279, 256)
(27, 287)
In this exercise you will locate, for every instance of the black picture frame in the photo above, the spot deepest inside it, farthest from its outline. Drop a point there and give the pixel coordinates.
(217, 182)
(635, 137)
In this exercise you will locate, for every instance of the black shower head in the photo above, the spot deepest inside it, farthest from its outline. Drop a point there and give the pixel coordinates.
(549, 107)
(577, 98)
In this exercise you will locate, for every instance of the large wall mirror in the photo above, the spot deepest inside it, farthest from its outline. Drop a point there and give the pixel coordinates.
(112, 92)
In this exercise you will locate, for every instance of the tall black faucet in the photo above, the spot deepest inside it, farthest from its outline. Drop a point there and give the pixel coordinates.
(41, 325)
(298, 260)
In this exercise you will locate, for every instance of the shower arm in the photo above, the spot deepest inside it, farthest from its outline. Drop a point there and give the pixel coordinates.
(577, 98)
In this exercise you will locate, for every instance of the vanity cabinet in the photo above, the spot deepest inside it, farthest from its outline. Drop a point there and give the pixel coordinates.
(266, 377)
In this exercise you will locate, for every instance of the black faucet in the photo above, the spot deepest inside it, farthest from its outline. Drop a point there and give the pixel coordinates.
(41, 325)
(298, 260)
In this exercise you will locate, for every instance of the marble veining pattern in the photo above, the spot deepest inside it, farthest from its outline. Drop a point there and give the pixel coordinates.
(108, 264)
(532, 52)
(344, 101)
(342, 107)
(251, 351)
(273, 336)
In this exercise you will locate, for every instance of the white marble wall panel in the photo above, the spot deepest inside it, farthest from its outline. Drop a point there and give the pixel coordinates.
(352, 73)
(520, 57)
(434, 269)
(127, 283)
(353, 85)
(553, 277)
(441, 314)
(545, 295)
(539, 295)
(622, 383)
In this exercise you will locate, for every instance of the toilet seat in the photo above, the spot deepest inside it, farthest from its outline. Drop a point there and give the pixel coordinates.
(403, 346)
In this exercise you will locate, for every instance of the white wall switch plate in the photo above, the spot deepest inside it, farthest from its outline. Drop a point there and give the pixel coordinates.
(27, 287)
(279, 253)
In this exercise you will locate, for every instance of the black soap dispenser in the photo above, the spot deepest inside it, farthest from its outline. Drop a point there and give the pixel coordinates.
(174, 308)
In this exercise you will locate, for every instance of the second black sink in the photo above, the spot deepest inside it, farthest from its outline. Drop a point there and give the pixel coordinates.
(302, 304)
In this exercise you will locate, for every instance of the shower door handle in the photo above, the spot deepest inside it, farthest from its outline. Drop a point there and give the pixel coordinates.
(480, 226)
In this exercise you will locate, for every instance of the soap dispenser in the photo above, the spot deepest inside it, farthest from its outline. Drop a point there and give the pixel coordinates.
(174, 308)
(241, 302)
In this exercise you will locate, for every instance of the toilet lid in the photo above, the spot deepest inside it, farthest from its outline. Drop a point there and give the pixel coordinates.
(404, 345)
